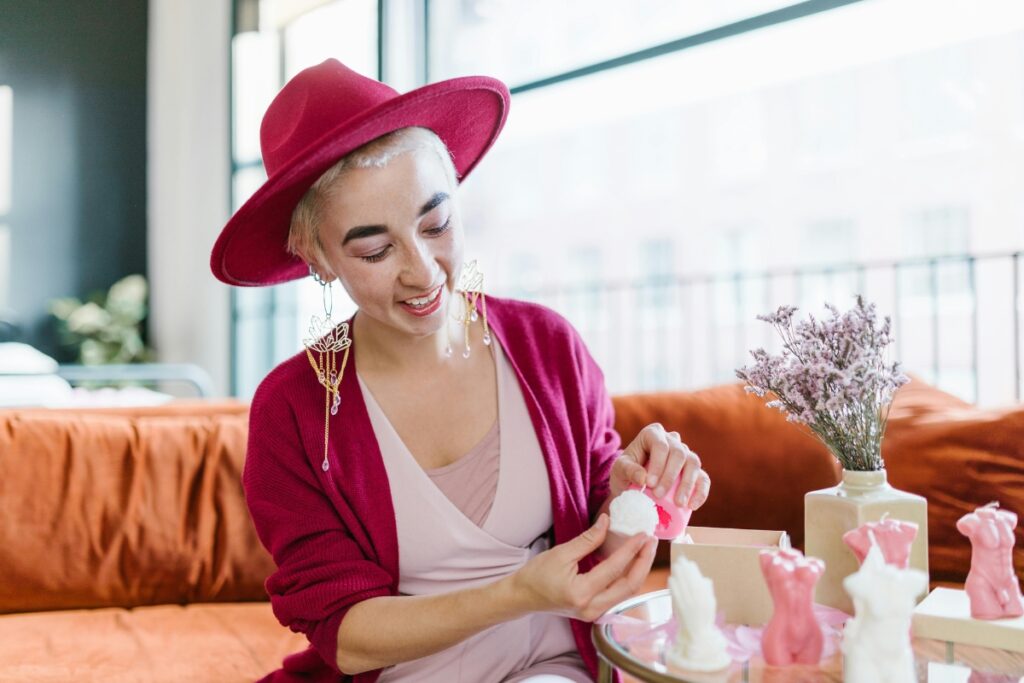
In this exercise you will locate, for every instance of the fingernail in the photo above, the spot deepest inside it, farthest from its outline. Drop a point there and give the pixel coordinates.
(652, 480)
(659, 492)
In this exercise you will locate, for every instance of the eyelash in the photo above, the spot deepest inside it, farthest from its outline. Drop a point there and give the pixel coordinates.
(434, 232)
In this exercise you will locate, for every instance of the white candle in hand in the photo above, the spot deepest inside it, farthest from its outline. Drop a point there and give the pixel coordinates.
(632, 512)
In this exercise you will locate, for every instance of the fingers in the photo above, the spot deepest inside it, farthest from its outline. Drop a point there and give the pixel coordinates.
(677, 455)
(625, 585)
(666, 460)
(612, 567)
(654, 443)
(691, 470)
(630, 471)
(700, 492)
(590, 540)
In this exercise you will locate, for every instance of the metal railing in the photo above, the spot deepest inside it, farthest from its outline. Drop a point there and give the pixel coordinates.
(956, 319)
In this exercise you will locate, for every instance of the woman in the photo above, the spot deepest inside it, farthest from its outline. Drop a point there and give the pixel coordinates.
(434, 515)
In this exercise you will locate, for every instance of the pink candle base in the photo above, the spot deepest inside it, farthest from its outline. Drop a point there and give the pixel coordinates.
(992, 584)
(793, 635)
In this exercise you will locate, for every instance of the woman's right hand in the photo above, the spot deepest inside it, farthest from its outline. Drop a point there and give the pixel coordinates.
(551, 582)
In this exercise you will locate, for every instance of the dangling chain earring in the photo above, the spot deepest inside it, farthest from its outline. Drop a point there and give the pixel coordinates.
(471, 287)
(327, 339)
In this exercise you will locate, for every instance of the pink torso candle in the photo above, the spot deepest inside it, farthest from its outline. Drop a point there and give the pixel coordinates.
(992, 585)
(894, 538)
(793, 635)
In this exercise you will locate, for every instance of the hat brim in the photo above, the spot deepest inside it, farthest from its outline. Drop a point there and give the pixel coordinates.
(467, 113)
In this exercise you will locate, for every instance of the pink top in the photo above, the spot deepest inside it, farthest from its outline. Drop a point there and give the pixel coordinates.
(463, 525)
(471, 481)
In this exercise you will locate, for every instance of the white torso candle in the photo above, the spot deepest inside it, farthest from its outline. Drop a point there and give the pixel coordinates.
(876, 641)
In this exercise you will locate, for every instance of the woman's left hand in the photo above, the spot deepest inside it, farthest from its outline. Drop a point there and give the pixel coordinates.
(657, 458)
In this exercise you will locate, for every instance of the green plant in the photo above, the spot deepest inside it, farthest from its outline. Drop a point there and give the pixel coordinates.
(107, 327)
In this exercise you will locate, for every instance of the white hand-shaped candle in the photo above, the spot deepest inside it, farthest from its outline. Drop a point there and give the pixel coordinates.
(699, 645)
(876, 642)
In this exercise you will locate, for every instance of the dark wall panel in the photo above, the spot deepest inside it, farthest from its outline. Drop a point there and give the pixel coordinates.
(77, 69)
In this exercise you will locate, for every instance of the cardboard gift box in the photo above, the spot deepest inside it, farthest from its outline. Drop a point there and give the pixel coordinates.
(729, 557)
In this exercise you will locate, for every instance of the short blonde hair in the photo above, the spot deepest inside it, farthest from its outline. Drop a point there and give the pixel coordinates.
(304, 232)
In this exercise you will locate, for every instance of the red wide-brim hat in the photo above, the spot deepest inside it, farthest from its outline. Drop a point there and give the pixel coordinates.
(322, 114)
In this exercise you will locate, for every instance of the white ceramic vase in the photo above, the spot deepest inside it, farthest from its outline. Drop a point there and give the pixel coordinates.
(860, 497)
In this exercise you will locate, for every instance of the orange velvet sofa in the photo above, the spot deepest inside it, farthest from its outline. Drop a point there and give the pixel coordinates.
(127, 553)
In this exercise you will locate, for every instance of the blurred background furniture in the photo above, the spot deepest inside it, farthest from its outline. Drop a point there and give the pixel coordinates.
(127, 552)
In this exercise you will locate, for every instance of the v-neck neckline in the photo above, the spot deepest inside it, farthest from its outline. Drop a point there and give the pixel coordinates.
(424, 476)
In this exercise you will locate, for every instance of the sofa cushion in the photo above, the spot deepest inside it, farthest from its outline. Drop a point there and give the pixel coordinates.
(226, 643)
(125, 507)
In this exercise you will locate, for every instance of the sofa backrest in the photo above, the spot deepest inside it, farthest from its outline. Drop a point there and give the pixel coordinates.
(126, 507)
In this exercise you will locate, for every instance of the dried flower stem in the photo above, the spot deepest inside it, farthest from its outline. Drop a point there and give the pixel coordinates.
(831, 376)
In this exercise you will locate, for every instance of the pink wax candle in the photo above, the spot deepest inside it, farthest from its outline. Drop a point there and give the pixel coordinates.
(793, 635)
(893, 536)
(992, 586)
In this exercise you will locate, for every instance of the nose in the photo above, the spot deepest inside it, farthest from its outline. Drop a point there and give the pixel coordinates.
(420, 271)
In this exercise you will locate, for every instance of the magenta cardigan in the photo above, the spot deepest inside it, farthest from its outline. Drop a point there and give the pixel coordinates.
(332, 534)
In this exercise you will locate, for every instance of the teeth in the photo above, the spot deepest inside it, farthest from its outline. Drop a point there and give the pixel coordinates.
(425, 300)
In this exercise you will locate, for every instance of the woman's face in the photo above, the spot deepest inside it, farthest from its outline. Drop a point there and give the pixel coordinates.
(393, 234)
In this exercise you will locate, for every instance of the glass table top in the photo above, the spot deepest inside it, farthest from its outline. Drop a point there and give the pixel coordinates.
(635, 635)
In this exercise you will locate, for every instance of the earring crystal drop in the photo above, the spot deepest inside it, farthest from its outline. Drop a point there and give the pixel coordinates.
(325, 341)
(471, 288)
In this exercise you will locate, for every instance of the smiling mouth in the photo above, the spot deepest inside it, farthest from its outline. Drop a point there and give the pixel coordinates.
(424, 300)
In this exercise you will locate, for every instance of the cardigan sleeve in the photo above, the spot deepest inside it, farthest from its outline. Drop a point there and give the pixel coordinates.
(321, 571)
(603, 441)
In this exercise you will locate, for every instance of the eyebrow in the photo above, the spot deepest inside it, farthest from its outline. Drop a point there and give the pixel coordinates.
(370, 230)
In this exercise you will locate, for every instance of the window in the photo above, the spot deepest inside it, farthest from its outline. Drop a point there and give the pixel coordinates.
(6, 161)
(526, 40)
(781, 141)
(270, 322)
(936, 232)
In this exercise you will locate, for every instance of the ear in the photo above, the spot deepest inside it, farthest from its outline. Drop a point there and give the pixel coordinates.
(317, 266)
(325, 274)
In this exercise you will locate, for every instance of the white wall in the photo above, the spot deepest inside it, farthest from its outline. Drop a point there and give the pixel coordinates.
(188, 181)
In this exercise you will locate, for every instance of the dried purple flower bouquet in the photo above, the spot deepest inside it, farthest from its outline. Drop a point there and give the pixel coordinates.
(831, 376)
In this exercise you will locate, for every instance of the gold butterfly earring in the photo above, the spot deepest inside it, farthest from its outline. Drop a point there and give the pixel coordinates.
(325, 341)
(471, 288)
